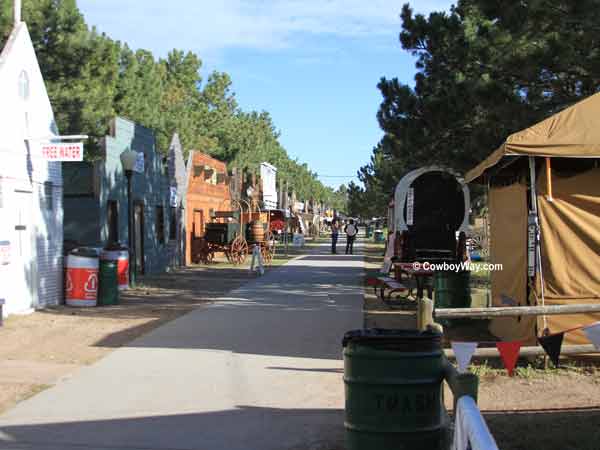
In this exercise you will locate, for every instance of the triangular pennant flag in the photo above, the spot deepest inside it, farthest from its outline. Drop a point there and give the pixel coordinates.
(463, 352)
(509, 352)
(552, 345)
(593, 334)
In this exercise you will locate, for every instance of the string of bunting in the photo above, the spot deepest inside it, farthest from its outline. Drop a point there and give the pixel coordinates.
(509, 350)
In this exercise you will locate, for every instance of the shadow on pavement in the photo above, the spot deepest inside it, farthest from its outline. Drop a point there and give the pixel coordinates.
(243, 428)
(296, 311)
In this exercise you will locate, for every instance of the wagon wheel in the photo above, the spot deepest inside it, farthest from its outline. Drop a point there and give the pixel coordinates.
(268, 248)
(238, 250)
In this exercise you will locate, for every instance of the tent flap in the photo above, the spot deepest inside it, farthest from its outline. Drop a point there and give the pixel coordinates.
(508, 246)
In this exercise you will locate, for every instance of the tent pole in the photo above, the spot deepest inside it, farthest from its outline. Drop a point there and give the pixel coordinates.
(549, 178)
(535, 223)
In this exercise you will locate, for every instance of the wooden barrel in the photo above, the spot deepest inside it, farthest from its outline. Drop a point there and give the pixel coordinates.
(257, 231)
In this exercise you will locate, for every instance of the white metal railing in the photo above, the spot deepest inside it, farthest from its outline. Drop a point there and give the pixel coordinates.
(470, 429)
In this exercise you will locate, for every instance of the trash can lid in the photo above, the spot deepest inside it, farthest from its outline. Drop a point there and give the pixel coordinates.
(380, 335)
(85, 252)
(115, 246)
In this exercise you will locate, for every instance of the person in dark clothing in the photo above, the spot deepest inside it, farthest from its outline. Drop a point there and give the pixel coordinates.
(351, 231)
(335, 229)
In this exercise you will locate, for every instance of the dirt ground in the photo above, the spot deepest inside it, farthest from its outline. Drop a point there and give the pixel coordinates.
(538, 408)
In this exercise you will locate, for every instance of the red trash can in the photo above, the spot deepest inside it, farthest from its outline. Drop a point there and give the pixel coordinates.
(81, 277)
(121, 255)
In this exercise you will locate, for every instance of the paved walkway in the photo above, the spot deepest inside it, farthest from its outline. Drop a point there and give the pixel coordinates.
(260, 370)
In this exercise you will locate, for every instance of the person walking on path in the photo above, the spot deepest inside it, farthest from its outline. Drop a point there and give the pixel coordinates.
(351, 230)
(335, 229)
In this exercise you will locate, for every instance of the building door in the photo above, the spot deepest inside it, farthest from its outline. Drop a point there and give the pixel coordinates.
(22, 292)
(138, 218)
(198, 224)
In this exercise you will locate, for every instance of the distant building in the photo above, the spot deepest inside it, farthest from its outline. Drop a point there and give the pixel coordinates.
(95, 199)
(177, 203)
(208, 191)
(31, 239)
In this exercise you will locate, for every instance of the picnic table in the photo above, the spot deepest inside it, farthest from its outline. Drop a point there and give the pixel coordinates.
(419, 274)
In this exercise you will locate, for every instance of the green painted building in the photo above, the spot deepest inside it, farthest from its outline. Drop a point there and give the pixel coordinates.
(95, 200)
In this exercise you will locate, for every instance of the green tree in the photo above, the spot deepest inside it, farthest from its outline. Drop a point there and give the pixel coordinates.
(484, 70)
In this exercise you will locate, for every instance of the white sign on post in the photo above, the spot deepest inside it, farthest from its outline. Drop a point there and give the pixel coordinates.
(139, 163)
(62, 151)
(410, 207)
(173, 199)
(268, 175)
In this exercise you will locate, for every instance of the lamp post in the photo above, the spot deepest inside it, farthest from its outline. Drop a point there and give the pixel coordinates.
(128, 159)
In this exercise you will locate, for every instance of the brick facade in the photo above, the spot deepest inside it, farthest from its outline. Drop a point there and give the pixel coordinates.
(208, 190)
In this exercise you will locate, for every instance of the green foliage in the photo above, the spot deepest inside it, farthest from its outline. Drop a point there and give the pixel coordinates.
(486, 69)
(90, 78)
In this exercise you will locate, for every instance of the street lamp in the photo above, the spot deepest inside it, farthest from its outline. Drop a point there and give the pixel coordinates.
(128, 159)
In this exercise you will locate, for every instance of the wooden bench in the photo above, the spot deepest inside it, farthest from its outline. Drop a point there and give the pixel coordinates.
(389, 284)
(1, 310)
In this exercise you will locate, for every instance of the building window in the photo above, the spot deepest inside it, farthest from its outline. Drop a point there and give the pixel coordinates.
(113, 221)
(48, 195)
(173, 224)
(160, 224)
(24, 86)
(197, 171)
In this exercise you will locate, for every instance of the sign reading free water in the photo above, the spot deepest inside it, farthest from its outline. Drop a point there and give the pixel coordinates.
(62, 151)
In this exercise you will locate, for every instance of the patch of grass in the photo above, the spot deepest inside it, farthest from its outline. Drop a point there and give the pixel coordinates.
(35, 389)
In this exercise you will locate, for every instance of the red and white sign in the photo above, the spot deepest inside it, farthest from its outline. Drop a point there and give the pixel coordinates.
(62, 151)
(4, 253)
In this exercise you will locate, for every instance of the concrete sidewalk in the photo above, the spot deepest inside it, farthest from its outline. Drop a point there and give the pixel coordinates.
(260, 370)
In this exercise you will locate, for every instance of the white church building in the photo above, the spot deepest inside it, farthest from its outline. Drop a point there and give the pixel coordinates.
(31, 212)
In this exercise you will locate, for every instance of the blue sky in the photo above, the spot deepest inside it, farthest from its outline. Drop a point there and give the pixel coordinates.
(313, 64)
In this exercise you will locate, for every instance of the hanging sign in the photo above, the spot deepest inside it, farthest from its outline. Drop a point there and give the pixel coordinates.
(62, 151)
(139, 163)
(4, 253)
(173, 198)
(531, 243)
(410, 206)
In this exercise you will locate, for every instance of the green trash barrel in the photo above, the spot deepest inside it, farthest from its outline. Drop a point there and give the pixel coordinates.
(452, 290)
(393, 384)
(108, 286)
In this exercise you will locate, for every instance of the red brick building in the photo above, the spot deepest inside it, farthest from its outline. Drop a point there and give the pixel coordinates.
(207, 191)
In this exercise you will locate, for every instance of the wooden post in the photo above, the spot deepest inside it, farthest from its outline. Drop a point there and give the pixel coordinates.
(514, 311)
(549, 178)
(460, 383)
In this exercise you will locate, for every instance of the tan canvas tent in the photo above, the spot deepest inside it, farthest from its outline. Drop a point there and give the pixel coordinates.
(561, 155)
